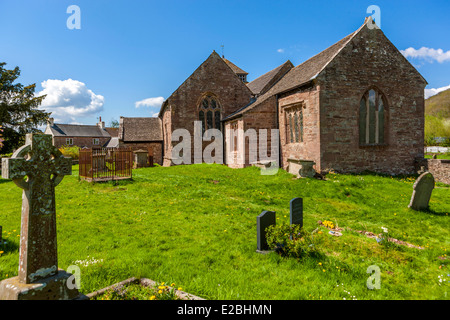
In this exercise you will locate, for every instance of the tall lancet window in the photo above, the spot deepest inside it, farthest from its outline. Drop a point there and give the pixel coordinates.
(372, 118)
(209, 113)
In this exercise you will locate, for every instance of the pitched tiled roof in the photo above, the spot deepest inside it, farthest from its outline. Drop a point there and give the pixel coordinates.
(267, 80)
(301, 74)
(77, 130)
(234, 67)
(113, 132)
(112, 143)
(140, 129)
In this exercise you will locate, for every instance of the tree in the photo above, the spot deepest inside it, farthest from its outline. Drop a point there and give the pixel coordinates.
(19, 113)
(114, 123)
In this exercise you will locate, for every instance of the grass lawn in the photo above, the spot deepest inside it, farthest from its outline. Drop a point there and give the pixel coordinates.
(196, 226)
(445, 156)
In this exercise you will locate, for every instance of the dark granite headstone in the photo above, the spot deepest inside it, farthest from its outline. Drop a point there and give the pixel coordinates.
(296, 211)
(264, 220)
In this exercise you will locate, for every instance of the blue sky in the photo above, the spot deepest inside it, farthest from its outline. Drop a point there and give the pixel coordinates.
(135, 50)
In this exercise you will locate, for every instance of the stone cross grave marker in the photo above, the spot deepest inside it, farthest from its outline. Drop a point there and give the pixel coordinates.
(423, 187)
(264, 220)
(37, 167)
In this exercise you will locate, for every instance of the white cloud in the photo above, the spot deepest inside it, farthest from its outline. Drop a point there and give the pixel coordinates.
(150, 102)
(281, 50)
(430, 54)
(69, 99)
(433, 91)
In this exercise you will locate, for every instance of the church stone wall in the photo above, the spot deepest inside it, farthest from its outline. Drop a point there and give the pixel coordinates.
(371, 61)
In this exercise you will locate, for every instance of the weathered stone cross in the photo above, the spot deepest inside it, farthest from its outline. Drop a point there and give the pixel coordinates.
(37, 167)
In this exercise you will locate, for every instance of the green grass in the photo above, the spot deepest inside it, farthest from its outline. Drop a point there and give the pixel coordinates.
(439, 156)
(196, 226)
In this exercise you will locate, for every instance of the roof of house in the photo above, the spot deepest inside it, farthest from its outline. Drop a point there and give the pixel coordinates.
(140, 129)
(301, 74)
(234, 67)
(113, 132)
(112, 143)
(263, 83)
(77, 130)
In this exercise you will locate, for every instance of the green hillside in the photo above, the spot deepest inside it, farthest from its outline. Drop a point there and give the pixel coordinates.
(438, 105)
(437, 117)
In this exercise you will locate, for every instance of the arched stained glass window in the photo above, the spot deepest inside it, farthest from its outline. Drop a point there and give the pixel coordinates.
(210, 113)
(201, 117)
(372, 118)
(294, 123)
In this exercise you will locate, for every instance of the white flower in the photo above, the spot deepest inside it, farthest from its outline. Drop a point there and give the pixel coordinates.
(385, 230)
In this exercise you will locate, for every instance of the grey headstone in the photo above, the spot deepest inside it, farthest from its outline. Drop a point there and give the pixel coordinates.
(296, 210)
(264, 220)
(423, 187)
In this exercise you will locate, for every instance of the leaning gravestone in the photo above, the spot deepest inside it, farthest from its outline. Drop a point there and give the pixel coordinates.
(264, 220)
(423, 187)
(37, 167)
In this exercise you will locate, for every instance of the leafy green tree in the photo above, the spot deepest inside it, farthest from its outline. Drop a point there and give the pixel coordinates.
(114, 123)
(19, 113)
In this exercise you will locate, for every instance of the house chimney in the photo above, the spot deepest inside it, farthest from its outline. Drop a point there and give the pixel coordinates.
(50, 121)
(101, 123)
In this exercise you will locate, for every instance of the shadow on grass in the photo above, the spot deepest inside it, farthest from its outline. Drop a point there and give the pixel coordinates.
(4, 181)
(430, 211)
(436, 213)
(8, 246)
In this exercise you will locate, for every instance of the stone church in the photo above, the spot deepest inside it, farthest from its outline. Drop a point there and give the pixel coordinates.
(358, 105)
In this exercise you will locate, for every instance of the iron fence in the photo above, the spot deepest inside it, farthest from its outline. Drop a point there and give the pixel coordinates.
(104, 164)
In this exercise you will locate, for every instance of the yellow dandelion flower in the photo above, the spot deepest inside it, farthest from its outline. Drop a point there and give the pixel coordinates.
(152, 297)
(180, 288)
(160, 291)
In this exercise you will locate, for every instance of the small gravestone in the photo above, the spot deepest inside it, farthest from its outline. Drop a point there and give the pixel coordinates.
(296, 211)
(264, 220)
(423, 187)
(37, 167)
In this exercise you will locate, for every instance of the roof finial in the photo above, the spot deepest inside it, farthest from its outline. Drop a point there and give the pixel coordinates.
(223, 56)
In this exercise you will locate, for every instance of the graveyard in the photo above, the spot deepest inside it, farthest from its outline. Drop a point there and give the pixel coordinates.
(196, 226)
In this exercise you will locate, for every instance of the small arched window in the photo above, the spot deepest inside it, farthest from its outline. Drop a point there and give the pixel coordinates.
(209, 113)
(372, 118)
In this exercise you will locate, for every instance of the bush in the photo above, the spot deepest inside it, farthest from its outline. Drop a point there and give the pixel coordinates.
(73, 152)
(292, 240)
